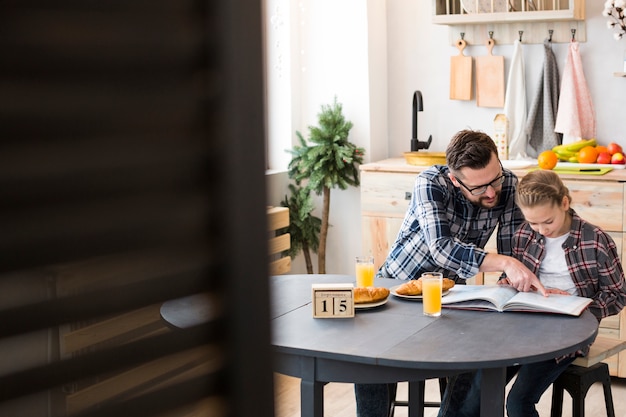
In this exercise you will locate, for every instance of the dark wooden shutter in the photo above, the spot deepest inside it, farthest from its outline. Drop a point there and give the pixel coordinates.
(131, 173)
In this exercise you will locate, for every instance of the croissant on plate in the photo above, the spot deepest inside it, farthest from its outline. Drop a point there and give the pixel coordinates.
(363, 295)
(414, 287)
(447, 284)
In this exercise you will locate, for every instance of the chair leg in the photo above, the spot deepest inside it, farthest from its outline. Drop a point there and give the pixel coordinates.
(557, 400)
(443, 383)
(608, 398)
(393, 389)
(578, 405)
(416, 389)
(577, 381)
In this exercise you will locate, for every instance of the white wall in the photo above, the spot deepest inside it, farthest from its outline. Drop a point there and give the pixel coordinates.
(373, 55)
(419, 59)
(337, 47)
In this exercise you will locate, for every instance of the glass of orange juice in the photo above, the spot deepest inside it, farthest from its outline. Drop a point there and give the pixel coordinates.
(364, 271)
(431, 293)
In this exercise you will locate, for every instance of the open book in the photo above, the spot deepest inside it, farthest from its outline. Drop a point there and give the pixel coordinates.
(506, 298)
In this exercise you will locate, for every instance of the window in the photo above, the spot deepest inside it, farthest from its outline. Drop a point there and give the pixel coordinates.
(281, 81)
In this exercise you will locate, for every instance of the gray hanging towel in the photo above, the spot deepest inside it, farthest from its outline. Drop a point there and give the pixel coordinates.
(542, 115)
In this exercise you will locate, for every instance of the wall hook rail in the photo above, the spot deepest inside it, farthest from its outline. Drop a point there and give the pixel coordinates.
(573, 35)
(528, 33)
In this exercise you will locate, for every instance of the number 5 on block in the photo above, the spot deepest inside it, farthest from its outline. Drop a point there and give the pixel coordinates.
(333, 301)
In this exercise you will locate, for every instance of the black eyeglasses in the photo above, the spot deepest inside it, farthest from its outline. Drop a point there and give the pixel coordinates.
(481, 189)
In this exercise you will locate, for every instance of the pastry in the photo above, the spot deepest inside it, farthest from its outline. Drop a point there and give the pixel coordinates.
(447, 284)
(413, 287)
(363, 295)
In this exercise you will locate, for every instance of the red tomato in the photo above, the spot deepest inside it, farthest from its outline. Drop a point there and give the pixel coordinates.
(614, 148)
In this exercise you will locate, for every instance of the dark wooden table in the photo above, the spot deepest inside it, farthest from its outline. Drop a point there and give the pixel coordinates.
(395, 343)
(184, 312)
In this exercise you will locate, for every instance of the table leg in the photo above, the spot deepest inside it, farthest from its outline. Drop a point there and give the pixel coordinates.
(311, 398)
(416, 399)
(492, 392)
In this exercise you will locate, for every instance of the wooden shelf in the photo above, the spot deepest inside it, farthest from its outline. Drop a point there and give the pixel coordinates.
(509, 17)
(619, 74)
(535, 24)
(452, 12)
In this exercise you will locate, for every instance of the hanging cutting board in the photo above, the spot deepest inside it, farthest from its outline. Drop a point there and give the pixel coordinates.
(490, 79)
(461, 74)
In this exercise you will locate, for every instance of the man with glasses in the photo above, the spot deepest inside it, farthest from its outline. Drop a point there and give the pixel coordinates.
(453, 211)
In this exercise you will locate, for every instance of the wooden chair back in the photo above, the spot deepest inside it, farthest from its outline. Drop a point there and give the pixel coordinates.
(278, 218)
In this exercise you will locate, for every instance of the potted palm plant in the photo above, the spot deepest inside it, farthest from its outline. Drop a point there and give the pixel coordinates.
(327, 160)
(304, 227)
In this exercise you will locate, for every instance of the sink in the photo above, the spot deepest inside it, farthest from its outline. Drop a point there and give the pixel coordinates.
(422, 158)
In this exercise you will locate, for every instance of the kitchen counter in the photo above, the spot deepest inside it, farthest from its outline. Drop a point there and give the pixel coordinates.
(400, 165)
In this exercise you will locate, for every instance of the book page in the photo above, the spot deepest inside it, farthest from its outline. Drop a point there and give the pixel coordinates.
(507, 298)
(554, 303)
(497, 295)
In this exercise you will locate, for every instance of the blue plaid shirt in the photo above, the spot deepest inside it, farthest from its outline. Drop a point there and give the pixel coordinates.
(443, 231)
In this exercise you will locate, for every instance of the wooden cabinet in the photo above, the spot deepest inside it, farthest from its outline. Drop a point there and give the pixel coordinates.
(386, 188)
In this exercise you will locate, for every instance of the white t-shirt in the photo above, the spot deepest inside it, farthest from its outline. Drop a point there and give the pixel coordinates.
(553, 272)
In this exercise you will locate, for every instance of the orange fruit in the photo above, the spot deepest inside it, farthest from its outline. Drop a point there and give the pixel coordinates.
(588, 155)
(547, 160)
(601, 149)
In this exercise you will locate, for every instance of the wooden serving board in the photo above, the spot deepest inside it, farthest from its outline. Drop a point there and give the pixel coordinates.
(490, 79)
(461, 74)
(579, 171)
(584, 165)
(583, 171)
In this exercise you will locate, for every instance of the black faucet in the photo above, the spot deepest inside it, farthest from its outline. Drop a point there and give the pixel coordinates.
(418, 105)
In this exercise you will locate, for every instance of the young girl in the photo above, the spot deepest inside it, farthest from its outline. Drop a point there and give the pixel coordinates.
(570, 256)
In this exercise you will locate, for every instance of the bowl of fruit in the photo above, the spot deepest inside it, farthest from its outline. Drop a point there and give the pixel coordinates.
(583, 153)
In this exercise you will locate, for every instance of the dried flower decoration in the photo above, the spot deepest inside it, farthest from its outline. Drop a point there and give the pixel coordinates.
(614, 10)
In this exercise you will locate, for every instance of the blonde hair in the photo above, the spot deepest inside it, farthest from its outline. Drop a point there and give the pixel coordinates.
(541, 187)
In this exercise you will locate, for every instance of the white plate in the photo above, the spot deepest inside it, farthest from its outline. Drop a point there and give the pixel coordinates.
(392, 290)
(584, 166)
(364, 306)
(484, 6)
(518, 164)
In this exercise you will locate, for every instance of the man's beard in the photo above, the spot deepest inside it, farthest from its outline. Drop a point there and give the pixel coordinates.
(483, 201)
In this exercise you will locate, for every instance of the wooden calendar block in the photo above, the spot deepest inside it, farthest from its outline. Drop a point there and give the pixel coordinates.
(333, 301)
